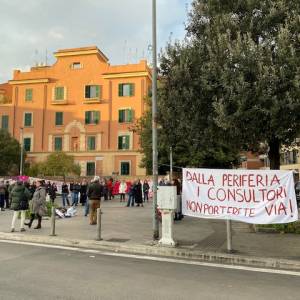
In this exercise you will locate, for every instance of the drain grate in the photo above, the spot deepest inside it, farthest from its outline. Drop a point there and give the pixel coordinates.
(118, 240)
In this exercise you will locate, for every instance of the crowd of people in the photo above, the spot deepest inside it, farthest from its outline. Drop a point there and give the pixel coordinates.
(22, 196)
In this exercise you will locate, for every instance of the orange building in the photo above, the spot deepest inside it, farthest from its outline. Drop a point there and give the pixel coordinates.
(83, 106)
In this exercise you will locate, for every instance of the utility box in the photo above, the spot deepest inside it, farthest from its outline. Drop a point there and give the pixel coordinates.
(167, 197)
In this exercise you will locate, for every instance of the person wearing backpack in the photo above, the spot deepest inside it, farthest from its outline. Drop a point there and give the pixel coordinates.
(19, 199)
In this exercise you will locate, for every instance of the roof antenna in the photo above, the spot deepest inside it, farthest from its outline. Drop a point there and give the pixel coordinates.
(124, 52)
(36, 53)
(46, 57)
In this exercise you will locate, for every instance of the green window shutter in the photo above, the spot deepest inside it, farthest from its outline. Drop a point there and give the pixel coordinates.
(87, 117)
(59, 118)
(131, 93)
(59, 93)
(97, 91)
(87, 91)
(120, 90)
(4, 122)
(91, 143)
(121, 116)
(125, 168)
(129, 115)
(28, 95)
(28, 119)
(90, 169)
(127, 140)
(120, 142)
(27, 144)
(58, 144)
(96, 117)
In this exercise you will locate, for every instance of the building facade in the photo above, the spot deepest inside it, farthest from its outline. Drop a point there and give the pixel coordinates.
(83, 106)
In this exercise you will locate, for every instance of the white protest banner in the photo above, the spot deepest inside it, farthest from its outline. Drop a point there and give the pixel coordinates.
(251, 196)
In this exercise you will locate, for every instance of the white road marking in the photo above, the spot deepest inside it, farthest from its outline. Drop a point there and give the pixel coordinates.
(158, 259)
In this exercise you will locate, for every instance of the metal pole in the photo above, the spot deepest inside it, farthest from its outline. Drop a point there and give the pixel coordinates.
(53, 221)
(171, 165)
(229, 236)
(22, 152)
(98, 225)
(154, 122)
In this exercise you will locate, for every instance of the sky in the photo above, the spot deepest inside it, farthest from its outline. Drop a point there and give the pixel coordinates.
(31, 30)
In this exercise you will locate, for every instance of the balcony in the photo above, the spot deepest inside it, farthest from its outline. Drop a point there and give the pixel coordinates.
(59, 102)
(91, 100)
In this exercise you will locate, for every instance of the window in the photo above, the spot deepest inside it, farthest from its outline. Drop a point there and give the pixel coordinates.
(59, 93)
(76, 66)
(125, 168)
(59, 118)
(58, 143)
(28, 95)
(126, 89)
(92, 91)
(27, 144)
(90, 169)
(92, 117)
(91, 143)
(124, 142)
(125, 115)
(28, 119)
(4, 122)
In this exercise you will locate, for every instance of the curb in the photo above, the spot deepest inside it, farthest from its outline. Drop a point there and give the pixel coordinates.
(156, 250)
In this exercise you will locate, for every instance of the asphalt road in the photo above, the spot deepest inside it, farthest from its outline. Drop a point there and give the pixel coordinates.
(29, 272)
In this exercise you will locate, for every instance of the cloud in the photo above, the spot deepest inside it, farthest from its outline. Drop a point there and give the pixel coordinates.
(55, 34)
(120, 28)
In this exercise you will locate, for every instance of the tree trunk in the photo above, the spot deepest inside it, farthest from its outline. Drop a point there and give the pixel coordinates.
(274, 153)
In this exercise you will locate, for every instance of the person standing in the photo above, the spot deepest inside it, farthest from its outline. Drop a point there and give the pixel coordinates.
(122, 190)
(138, 194)
(19, 198)
(3, 190)
(146, 189)
(75, 193)
(65, 194)
(105, 190)
(38, 206)
(7, 195)
(110, 188)
(52, 192)
(130, 201)
(83, 192)
(94, 195)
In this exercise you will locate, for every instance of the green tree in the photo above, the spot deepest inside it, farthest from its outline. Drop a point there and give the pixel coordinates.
(252, 68)
(10, 151)
(56, 164)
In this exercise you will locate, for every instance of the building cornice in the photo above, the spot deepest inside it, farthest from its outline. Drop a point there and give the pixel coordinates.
(126, 75)
(29, 81)
(79, 53)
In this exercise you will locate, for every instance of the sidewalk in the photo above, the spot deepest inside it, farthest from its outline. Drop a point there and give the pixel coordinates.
(131, 228)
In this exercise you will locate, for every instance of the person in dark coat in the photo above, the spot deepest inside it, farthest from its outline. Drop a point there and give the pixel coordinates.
(138, 194)
(52, 192)
(7, 195)
(65, 194)
(146, 189)
(2, 194)
(19, 199)
(83, 192)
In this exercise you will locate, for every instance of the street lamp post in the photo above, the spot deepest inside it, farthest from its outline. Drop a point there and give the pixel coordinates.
(22, 152)
(154, 122)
